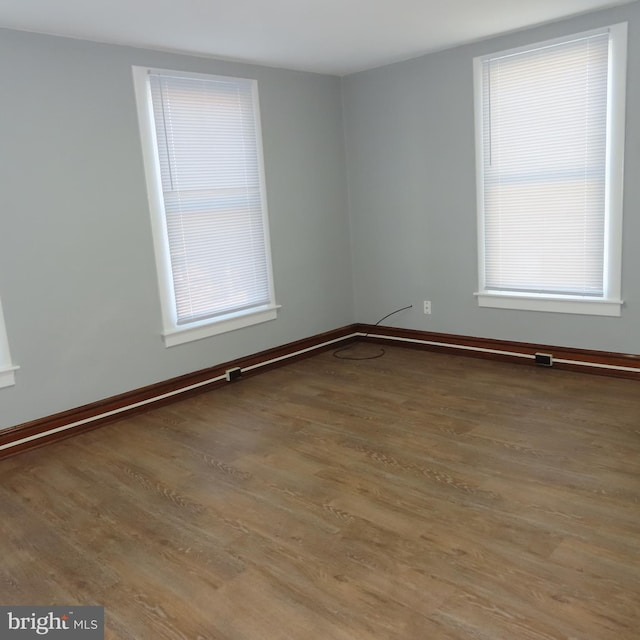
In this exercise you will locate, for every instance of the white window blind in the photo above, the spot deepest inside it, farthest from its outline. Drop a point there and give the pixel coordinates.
(210, 166)
(7, 369)
(544, 168)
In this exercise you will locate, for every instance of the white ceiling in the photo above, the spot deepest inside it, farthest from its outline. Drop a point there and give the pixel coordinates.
(327, 36)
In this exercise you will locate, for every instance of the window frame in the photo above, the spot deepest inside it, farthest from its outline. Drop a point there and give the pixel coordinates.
(173, 332)
(7, 368)
(610, 304)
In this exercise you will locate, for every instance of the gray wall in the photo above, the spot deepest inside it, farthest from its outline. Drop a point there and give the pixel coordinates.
(411, 166)
(77, 274)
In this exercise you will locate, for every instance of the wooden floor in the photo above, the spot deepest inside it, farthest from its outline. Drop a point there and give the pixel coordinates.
(417, 496)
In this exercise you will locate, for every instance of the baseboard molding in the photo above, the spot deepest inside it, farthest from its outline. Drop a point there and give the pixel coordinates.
(68, 423)
(606, 363)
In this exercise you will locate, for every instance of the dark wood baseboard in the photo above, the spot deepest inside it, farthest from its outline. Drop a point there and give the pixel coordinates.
(67, 423)
(606, 363)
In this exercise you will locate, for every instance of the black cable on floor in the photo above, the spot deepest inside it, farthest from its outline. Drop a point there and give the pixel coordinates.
(350, 346)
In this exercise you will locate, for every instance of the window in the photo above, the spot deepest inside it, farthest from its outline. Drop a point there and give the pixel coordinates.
(7, 370)
(549, 140)
(205, 181)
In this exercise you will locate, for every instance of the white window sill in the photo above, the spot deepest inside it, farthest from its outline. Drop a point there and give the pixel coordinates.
(224, 324)
(7, 376)
(549, 303)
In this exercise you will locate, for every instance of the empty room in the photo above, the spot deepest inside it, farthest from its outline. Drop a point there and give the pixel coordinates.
(320, 320)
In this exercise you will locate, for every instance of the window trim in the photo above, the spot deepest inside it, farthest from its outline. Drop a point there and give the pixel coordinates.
(174, 333)
(610, 304)
(7, 369)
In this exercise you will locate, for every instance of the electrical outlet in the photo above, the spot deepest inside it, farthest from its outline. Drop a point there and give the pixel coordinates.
(544, 359)
(427, 307)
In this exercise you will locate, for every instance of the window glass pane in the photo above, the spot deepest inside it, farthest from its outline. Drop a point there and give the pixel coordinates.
(544, 150)
(210, 170)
